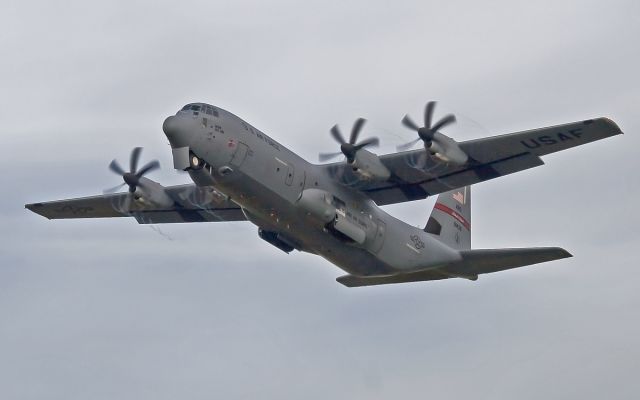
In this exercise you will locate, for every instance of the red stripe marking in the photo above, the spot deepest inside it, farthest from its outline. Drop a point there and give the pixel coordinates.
(454, 214)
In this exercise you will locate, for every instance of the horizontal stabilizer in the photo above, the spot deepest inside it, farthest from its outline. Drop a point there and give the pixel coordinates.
(473, 263)
(493, 260)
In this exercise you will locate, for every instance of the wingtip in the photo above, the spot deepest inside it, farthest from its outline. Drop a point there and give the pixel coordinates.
(613, 125)
(562, 253)
(345, 280)
(35, 208)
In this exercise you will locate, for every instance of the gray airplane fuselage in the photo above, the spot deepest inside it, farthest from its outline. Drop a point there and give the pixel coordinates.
(332, 210)
(295, 203)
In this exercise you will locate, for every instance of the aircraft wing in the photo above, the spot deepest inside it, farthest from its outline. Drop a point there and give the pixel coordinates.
(488, 158)
(191, 204)
(473, 263)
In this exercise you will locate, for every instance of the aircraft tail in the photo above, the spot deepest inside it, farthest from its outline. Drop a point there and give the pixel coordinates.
(450, 223)
(450, 220)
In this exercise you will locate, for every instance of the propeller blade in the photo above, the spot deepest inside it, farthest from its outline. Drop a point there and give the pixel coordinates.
(115, 167)
(113, 189)
(328, 156)
(152, 165)
(428, 113)
(407, 146)
(355, 131)
(335, 132)
(420, 160)
(133, 162)
(350, 148)
(447, 120)
(408, 122)
(371, 142)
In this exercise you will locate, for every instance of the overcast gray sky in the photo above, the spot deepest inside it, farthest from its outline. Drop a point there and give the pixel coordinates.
(111, 309)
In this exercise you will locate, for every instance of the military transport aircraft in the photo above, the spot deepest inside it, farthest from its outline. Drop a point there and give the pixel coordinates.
(333, 210)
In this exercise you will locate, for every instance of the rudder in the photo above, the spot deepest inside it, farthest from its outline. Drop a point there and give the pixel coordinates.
(450, 220)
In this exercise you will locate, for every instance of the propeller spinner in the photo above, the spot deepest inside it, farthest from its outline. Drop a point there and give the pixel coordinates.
(132, 178)
(350, 148)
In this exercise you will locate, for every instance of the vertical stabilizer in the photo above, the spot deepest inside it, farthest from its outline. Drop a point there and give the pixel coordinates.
(450, 220)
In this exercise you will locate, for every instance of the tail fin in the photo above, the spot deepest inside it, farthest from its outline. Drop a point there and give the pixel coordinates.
(450, 219)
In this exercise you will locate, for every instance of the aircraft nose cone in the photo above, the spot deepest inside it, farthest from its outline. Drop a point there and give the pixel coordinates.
(174, 128)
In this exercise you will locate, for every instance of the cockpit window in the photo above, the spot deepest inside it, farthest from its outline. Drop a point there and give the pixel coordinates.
(210, 110)
(205, 108)
(192, 107)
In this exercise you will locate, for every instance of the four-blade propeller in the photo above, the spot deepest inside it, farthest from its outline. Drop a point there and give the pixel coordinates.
(428, 131)
(132, 178)
(350, 148)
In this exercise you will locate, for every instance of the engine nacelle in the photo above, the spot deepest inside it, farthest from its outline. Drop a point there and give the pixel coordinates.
(368, 166)
(447, 149)
(153, 193)
(318, 203)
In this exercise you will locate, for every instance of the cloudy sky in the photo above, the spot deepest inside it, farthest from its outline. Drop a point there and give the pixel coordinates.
(111, 309)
